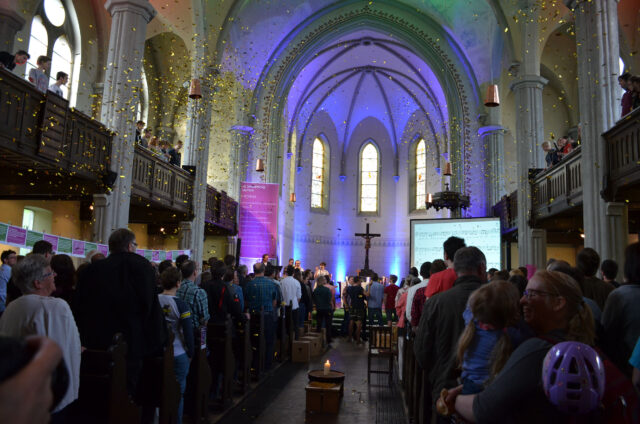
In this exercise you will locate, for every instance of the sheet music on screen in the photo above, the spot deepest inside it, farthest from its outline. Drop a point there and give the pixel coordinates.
(427, 236)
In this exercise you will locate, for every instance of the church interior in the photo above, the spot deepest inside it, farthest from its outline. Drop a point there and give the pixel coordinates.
(320, 131)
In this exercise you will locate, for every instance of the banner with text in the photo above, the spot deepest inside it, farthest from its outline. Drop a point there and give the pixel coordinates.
(23, 238)
(258, 222)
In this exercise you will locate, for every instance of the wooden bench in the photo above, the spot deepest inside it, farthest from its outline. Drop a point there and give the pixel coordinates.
(103, 396)
(196, 395)
(256, 327)
(221, 360)
(243, 353)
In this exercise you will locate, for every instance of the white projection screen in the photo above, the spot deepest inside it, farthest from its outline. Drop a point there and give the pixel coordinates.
(427, 236)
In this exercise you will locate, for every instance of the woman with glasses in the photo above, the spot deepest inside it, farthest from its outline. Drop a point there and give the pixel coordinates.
(37, 313)
(552, 305)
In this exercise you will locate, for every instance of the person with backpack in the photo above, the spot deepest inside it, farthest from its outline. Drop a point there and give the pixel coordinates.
(552, 305)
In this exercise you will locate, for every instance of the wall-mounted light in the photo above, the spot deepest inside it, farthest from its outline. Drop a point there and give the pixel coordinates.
(195, 91)
(259, 165)
(292, 197)
(492, 99)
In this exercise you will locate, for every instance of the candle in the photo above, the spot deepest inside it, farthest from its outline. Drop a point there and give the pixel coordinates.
(327, 367)
(429, 198)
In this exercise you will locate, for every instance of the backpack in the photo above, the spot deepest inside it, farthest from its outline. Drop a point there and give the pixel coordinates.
(620, 403)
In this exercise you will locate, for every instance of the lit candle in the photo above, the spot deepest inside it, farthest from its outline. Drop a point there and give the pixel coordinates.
(327, 367)
(429, 198)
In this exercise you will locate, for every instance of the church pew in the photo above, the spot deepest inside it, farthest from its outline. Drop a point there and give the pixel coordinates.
(103, 396)
(257, 343)
(221, 360)
(196, 395)
(410, 376)
(158, 386)
(290, 330)
(418, 408)
(282, 339)
(243, 352)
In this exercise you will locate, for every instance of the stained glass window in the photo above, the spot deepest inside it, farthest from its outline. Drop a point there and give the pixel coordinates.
(421, 170)
(317, 175)
(369, 165)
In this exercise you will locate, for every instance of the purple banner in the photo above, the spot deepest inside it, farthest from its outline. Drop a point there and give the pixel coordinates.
(104, 249)
(51, 239)
(258, 222)
(155, 256)
(169, 255)
(17, 235)
(77, 247)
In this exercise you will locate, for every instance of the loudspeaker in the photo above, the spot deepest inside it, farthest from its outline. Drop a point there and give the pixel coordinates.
(190, 169)
(109, 179)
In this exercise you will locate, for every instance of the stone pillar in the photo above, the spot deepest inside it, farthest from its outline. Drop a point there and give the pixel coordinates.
(493, 137)
(197, 154)
(598, 49)
(232, 244)
(10, 23)
(529, 137)
(100, 207)
(96, 107)
(129, 19)
(186, 235)
(238, 160)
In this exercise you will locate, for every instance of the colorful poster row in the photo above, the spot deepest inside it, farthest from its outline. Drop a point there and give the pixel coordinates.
(23, 238)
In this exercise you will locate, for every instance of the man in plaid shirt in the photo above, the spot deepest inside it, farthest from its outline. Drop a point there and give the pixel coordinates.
(193, 296)
(263, 292)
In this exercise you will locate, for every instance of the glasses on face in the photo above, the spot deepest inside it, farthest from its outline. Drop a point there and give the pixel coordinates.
(529, 293)
(48, 274)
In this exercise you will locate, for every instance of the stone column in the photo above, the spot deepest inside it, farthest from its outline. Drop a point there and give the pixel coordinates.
(197, 154)
(186, 235)
(232, 244)
(598, 51)
(493, 137)
(10, 23)
(239, 157)
(96, 107)
(122, 80)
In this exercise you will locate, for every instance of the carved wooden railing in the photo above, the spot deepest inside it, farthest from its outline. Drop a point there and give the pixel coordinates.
(623, 157)
(160, 182)
(558, 188)
(507, 210)
(221, 209)
(40, 131)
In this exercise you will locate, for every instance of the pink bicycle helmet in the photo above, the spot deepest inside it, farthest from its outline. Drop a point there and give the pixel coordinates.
(573, 377)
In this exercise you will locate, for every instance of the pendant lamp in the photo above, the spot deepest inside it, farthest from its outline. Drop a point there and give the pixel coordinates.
(492, 99)
(195, 92)
(259, 165)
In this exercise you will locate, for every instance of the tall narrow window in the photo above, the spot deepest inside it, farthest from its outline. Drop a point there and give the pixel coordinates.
(421, 170)
(38, 43)
(61, 62)
(317, 175)
(369, 164)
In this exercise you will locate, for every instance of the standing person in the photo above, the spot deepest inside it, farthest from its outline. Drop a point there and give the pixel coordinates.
(627, 98)
(444, 280)
(425, 273)
(356, 309)
(375, 293)
(8, 258)
(139, 127)
(118, 295)
(262, 292)
(621, 315)
(195, 297)
(305, 303)
(609, 272)
(588, 262)
(38, 76)
(298, 266)
(65, 280)
(9, 61)
(146, 138)
(442, 323)
(265, 259)
(291, 294)
(61, 79)
(389, 298)
(324, 306)
(178, 317)
(175, 153)
(37, 313)
(420, 297)
(321, 270)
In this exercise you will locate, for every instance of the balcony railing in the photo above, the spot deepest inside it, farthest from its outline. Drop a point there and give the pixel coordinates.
(558, 188)
(221, 209)
(40, 131)
(623, 158)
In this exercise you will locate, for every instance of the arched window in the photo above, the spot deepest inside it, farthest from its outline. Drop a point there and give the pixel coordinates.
(369, 178)
(54, 34)
(421, 171)
(318, 174)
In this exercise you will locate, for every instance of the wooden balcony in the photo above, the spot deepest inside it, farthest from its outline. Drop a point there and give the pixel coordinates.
(623, 160)
(221, 212)
(558, 190)
(159, 191)
(507, 210)
(46, 148)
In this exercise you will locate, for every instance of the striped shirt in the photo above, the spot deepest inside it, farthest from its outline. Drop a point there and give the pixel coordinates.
(261, 292)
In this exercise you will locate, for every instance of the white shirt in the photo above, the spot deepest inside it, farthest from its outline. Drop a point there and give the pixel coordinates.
(51, 317)
(291, 291)
(410, 295)
(56, 89)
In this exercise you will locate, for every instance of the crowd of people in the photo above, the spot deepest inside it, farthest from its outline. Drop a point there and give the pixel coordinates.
(38, 75)
(160, 148)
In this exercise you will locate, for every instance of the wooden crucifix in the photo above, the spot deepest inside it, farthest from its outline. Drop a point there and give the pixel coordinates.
(367, 244)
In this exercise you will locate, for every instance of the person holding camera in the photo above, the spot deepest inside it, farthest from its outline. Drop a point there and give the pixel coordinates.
(37, 313)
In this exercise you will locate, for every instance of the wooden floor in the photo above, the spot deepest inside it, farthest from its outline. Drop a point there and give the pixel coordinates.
(281, 399)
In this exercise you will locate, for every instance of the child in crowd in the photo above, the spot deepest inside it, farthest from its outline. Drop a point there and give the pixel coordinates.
(484, 345)
(178, 317)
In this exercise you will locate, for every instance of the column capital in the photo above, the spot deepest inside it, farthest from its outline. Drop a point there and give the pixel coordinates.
(529, 81)
(140, 7)
(242, 130)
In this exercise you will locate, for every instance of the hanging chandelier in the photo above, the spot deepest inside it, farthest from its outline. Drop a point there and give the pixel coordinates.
(447, 199)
